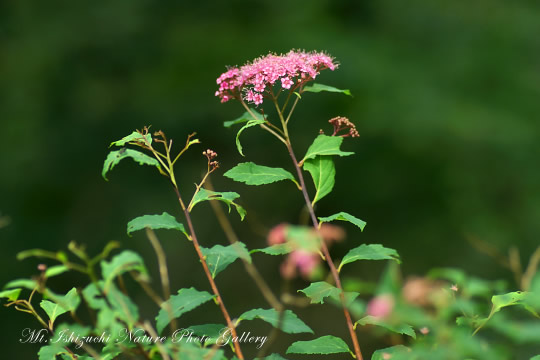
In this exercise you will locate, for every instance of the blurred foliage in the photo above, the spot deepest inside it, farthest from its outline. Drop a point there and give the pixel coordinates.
(445, 100)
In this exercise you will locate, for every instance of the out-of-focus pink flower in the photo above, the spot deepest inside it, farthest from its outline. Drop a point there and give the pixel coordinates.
(293, 70)
(303, 261)
(424, 330)
(331, 233)
(380, 306)
(277, 234)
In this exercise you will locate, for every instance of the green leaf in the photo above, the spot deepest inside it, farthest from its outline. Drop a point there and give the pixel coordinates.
(404, 329)
(49, 352)
(163, 221)
(123, 307)
(24, 283)
(324, 345)
(388, 353)
(317, 291)
(369, 252)
(134, 137)
(227, 197)
(326, 145)
(272, 357)
(244, 118)
(53, 310)
(55, 270)
(249, 124)
(323, 173)
(290, 323)
(115, 157)
(211, 331)
(219, 257)
(537, 357)
(278, 249)
(509, 299)
(253, 174)
(186, 300)
(303, 238)
(61, 304)
(315, 88)
(126, 261)
(11, 295)
(344, 217)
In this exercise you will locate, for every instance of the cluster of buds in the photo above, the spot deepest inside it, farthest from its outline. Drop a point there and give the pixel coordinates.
(290, 71)
(211, 155)
(340, 124)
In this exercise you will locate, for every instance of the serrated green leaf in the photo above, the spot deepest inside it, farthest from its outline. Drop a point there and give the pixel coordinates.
(315, 88)
(253, 174)
(55, 270)
(61, 304)
(11, 295)
(219, 257)
(537, 357)
(343, 216)
(126, 261)
(388, 353)
(324, 345)
(186, 300)
(404, 329)
(323, 173)
(163, 221)
(115, 157)
(226, 197)
(278, 249)
(325, 145)
(53, 310)
(289, 322)
(317, 291)
(249, 124)
(244, 118)
(24, 283)
(369, 252)
(133, 137)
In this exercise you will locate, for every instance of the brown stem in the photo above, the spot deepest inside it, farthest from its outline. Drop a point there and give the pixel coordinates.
(326, 254)
(250, 268)
(209, 275)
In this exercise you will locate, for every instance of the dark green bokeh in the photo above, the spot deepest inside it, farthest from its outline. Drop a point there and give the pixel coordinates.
(445, 98)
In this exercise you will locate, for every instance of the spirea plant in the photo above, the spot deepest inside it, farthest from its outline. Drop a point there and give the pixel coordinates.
(446, 314)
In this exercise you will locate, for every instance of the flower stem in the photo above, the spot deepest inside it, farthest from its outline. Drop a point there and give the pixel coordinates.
(208, 274)
(326, 254)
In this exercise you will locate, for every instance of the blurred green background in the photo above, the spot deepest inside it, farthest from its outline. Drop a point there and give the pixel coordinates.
(446, 98)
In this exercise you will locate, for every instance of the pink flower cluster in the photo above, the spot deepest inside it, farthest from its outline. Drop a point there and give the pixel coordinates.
(252, 80)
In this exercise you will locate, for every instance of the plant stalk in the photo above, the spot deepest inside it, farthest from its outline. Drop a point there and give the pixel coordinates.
(208, 274)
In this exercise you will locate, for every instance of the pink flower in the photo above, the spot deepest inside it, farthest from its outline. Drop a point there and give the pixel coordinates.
(277, 234)
(380, 306)
(262, 74)
(286, 83)
(303, 261)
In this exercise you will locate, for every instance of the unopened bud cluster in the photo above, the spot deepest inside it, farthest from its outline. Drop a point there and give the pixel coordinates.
(340, 124)
(211, 155)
